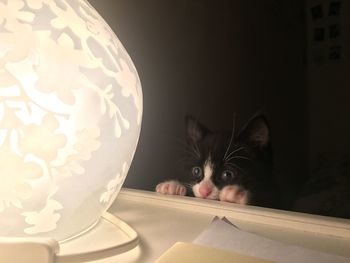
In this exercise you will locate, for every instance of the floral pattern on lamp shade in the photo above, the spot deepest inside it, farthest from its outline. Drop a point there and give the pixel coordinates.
(70, 117)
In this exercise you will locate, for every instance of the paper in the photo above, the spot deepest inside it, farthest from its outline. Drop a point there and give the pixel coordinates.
(224, 235)
(192, 253)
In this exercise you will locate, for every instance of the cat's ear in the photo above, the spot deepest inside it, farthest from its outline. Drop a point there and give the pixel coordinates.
(194, 129)
(256, 132)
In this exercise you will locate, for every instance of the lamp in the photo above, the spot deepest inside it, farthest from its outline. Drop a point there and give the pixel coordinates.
(70, 117)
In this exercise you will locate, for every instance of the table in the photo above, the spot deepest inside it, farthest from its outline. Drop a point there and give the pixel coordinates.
(162, 220)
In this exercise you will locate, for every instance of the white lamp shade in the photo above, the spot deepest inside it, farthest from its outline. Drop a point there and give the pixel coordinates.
(70, 117)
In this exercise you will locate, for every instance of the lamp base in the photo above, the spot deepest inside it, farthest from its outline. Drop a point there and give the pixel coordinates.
(28, 250)
(111, 236)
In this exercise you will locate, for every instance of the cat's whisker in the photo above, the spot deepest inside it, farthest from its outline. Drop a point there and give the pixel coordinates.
(196, 150)
(233, 165)
(233, 152)
(192, 152)
(232, 135)
(188, 185)
(189, 154)
(183, 146)
(186, 145)
(239, 157)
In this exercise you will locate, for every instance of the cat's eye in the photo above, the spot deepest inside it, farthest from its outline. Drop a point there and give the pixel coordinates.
(227, 175)
(197, 171)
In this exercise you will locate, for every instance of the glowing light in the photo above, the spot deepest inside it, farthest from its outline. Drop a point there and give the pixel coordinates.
(70, 116)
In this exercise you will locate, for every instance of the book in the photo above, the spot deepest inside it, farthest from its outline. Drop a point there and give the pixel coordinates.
(190, 253)
(223, 242)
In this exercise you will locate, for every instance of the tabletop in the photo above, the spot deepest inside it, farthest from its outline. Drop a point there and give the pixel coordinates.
(162, 220)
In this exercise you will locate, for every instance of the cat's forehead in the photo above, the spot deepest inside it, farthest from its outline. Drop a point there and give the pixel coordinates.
(217, 137)
(214, 146)
(217, 146)
(218, 141)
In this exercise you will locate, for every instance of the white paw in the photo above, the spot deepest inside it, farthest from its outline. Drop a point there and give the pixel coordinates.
(171, 188)
(234, 194)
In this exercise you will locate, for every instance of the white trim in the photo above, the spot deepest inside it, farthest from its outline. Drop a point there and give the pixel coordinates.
(337, 227)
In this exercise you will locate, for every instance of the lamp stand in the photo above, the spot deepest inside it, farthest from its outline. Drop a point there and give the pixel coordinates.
(47, 250)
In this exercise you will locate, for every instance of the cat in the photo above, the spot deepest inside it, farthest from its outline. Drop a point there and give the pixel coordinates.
(228, 166)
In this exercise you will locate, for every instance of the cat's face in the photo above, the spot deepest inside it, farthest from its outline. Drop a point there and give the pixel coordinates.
(224, 159)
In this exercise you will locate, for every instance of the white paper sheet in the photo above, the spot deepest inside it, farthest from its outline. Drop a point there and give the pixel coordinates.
(223, 234)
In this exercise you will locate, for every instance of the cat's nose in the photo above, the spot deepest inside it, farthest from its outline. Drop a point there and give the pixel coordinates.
(205, 191)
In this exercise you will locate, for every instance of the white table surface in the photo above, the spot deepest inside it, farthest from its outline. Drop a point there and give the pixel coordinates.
(161, 221)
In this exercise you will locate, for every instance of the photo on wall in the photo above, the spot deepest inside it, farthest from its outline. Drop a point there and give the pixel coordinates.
(334, 31)
(317, 12)
(334, 53)
(319, 34)
(334, 8)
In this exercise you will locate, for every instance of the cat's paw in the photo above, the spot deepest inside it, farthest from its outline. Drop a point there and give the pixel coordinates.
(171, 188)
(234, 194)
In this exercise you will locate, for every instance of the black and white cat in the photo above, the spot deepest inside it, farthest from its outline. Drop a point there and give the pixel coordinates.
(228, 166)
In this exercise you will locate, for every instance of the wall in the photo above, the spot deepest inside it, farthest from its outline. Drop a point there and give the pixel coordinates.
(214, 59)
(272, 76)
(328, 83)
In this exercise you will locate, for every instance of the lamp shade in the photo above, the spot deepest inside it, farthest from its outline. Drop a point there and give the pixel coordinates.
(70, 117)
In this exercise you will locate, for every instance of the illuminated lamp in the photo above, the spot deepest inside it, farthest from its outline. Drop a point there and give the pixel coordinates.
(70, 118)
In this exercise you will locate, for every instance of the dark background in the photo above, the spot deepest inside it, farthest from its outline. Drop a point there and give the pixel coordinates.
(214, 59)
